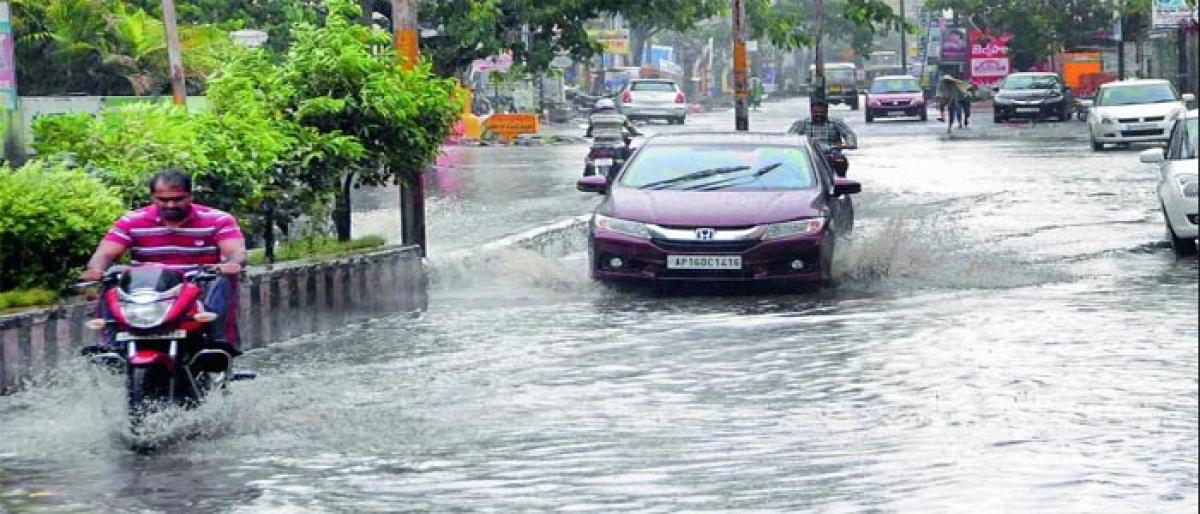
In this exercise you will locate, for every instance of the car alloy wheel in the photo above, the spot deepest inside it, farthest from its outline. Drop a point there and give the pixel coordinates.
(1183, 247)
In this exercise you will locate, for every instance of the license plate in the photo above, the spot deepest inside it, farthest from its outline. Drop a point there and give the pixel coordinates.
(704, 262)
(1141, 126)
(1028, 109)
(175, 334)
(603, 162)
(895, 113)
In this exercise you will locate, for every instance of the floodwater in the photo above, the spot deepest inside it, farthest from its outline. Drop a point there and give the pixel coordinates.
(1009, 332)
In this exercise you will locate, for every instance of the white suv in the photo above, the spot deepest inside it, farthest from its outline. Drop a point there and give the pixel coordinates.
(1134, 111)
(1179, 184)
(653, 98)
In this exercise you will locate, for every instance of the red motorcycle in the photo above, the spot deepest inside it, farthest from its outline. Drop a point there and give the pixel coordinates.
(153, 322)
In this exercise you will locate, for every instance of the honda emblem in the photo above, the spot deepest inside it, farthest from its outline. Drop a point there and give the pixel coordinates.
(706, 234)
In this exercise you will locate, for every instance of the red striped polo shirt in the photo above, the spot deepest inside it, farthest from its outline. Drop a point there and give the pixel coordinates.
(194, 241)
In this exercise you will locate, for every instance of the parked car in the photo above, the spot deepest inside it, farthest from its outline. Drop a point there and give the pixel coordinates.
(1134, 111)
(745, 207)
(895, 96)
(1179, 184)
(1031, 95)
(643, 99)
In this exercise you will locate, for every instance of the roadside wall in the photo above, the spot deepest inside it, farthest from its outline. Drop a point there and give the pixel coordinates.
(285, 302)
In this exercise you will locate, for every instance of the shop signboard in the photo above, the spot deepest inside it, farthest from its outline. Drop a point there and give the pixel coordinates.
(954, 45)
(1170, 14)
(989, 59)
(8, 70)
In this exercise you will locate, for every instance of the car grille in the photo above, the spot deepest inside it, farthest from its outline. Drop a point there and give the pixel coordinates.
(705, 246)
(1145, 132)
(1139, 120)
(1155, 118)
(706, 273)
(896, 103)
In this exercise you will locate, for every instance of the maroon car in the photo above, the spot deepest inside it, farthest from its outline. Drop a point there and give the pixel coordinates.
(720, 207)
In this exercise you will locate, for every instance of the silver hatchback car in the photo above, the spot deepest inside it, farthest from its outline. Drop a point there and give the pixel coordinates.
(643, 99)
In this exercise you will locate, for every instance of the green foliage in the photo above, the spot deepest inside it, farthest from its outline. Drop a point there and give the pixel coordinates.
(318, 247)
(275, 17)
(50, 219)
(26, 298)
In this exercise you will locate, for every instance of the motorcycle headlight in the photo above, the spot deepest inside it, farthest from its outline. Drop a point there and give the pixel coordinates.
(793, 228)
(1189, 185)
(146, 315)
(620, 226)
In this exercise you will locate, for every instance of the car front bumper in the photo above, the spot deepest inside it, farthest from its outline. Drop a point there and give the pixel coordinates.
(1028, 110)
(1150, 132)
(1182, 213)
(646, 260)
(886, 111)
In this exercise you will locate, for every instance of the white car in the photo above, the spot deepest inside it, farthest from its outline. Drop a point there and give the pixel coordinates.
(643, 99)
(1179, 184)
(1134, 111)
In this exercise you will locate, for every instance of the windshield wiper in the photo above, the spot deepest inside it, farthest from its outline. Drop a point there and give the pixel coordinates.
(722, 183)
(699, 174)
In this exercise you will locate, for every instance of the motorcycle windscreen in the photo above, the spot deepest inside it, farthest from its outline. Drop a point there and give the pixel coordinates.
(152, 278)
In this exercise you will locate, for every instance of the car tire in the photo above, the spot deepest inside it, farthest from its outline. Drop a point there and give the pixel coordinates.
(868, 117)
(827, 248)
(854, 106)
(996, 117)
(1183, 247)
(1097, 146)
(924, 115)
(1064, 113)
(681, 120)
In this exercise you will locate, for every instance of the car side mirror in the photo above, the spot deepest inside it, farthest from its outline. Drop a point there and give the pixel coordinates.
(1152, 156)
(1189, 98)
(845, 186)
(995, 89)
(593, 184)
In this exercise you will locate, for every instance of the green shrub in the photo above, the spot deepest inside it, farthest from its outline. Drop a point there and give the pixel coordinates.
(51, 218)
(317, 247)
(26, 298)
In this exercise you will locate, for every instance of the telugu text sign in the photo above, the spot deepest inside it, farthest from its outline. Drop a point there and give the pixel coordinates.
(1172, 13)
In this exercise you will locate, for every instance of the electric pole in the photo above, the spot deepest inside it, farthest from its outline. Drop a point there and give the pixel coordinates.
(903, 41)
(817, 93)
(405, 34)
(741, 82)
(173, 55)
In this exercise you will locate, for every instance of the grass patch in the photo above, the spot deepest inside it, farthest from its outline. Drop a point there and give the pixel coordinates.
(316, 247)
(26, 298)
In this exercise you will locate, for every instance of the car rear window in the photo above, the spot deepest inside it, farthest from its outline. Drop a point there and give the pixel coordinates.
(686, 167)
(1137, 94)
(666, 87)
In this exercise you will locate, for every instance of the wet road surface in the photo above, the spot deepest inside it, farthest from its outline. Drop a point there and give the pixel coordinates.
(1009, 332)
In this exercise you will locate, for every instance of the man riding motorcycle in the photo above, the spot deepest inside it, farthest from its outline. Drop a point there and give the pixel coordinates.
(175, 231)
(611, 134)
(832, 135)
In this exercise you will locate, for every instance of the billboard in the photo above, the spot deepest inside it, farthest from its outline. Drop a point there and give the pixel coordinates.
(1172, 13)
(8, 65)
(615, 42)
(954, 45)
(989, 60)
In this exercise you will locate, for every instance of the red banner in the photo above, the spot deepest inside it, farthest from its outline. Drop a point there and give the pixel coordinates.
(989, 60)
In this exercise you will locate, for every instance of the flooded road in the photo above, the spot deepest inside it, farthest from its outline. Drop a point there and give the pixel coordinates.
(1009, 332)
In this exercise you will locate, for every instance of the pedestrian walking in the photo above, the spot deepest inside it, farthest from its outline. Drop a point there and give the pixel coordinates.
(950, 101)
(967, 92)
(756, 93)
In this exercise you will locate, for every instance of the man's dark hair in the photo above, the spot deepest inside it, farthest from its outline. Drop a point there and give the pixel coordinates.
(173, 177)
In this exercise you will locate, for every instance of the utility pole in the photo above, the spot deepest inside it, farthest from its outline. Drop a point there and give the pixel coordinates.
(405, 34)
(817, 93)
(903, 41)
(173, 55)
(741, 82)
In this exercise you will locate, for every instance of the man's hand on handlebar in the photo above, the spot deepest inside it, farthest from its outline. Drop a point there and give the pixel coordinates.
(92, 275)
(229, 268)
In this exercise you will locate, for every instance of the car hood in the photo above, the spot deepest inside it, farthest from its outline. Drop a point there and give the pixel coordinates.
(712, 208)
(1139, 110)
(1025, 94)
(889, 97)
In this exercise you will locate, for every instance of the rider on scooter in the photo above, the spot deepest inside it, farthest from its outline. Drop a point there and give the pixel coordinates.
(175, 231)
(606, 107)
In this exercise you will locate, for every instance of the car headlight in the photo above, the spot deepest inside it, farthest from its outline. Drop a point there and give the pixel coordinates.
(1175, 114)
(620, 226)
(1002, 100)
(146, 315)
(794, 228)
(1189, 184)
(1107, 120)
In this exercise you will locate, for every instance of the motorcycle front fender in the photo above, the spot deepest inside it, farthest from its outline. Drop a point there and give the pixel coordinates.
(150, 358)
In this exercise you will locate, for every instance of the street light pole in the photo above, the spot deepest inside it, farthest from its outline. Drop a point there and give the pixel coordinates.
(903, 41)
(405, 34)
(173, 54)
(741, 83)
(817, 94)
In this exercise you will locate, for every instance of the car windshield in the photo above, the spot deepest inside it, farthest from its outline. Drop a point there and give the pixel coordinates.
(839, 76)
(896, 86)
(685, 167)
(666, 87)
(1030, 82)
(1137, 94)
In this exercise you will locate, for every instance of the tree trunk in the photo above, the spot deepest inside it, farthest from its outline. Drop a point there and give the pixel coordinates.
(638, 36)
(341, 212)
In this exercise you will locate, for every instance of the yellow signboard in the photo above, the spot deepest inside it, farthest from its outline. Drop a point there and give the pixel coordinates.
(508, 126)
(613, 41)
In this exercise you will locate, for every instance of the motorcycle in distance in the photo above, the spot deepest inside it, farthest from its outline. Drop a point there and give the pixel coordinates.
(156, 320)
